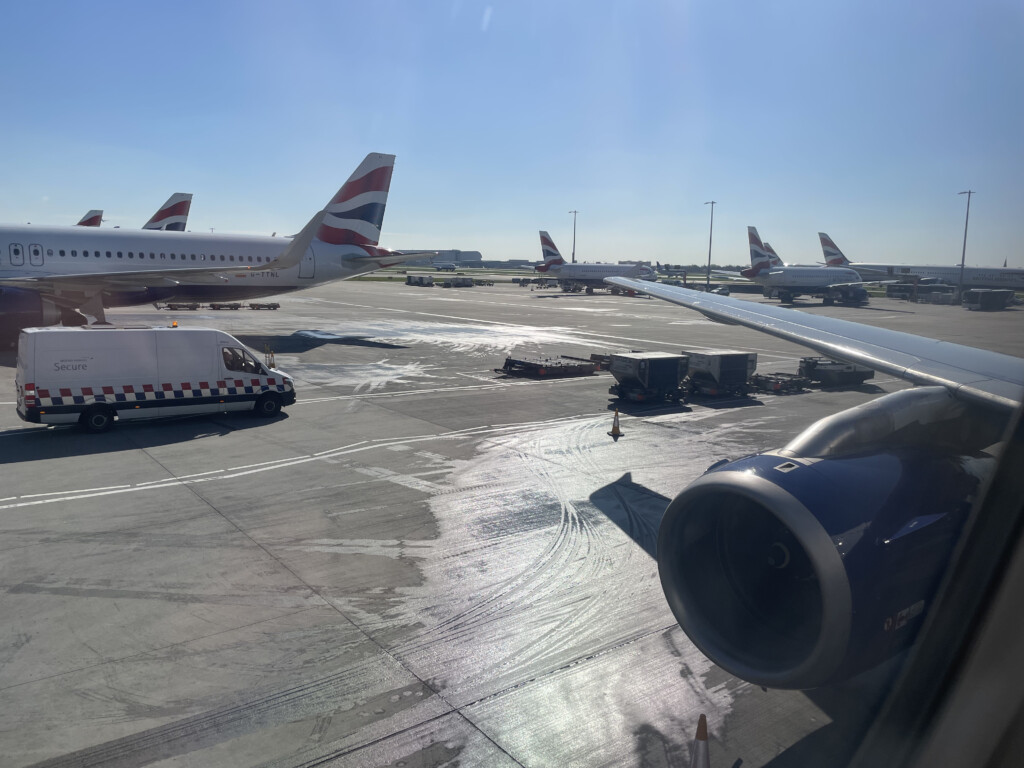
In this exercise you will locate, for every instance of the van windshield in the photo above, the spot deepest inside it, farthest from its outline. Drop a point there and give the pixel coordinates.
(240, 360)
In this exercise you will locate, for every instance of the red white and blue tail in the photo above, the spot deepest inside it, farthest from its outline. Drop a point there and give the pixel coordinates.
(760, 259)
(172, 215)
(776, 260)
(354, 216)
(91, 219)
(833, 256)
(549, 252)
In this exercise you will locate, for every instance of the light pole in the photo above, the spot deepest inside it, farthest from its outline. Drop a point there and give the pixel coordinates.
(963, 253)
(711, 233)
(573, 235)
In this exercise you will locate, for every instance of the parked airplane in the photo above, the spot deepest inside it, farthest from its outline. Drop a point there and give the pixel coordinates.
(831, 283)
(91, 219)
(574, 277)
(802, 566)
(172, 216)
(776, 260)
(974, 277)
(52, 273)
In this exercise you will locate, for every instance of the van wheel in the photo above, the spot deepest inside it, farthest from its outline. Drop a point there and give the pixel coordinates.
(268, 406)
(97, 419)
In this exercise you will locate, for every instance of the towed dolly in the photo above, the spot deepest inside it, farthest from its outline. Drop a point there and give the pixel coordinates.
(546, 367)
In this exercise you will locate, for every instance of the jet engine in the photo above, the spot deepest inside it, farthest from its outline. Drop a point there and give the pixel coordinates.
(803, 566)
(20, 308)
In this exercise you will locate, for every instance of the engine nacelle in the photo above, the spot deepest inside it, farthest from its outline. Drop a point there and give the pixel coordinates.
(793, 571)
(20, 308)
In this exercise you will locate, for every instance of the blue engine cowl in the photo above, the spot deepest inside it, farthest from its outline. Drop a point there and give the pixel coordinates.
(20, 308)
(794, 572)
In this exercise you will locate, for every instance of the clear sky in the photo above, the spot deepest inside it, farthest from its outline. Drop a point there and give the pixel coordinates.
(861, 119)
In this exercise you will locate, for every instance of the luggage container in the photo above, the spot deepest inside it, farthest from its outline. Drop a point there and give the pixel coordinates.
(648, 376)
(721, 371)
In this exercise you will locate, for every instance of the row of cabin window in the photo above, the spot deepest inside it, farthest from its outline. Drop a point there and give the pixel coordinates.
(131, 255)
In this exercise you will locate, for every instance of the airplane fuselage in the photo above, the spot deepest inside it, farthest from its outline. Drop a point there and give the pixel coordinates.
(38, 252)
(974, 277)
(594, 274)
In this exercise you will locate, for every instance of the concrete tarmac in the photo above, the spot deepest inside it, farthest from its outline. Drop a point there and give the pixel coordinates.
(421, 562)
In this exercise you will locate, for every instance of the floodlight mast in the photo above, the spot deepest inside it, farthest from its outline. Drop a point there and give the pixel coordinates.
(573, 235)
(711, 234)
(963, 253)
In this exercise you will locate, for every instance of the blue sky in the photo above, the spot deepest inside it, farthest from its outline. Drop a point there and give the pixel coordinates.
(861, 119)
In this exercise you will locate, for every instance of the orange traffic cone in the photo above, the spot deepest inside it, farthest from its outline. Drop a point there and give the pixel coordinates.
(616, 433)
(700, 757)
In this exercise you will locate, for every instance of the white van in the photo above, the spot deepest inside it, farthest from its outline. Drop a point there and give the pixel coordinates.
(95, 374)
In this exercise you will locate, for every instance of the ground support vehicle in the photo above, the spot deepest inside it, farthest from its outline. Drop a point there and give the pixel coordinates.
(94, 375)
(546, 367)
(987, 299)
(225, 305)
(179, 306)
(649, 376)
(421, 280)
(721, 372)
(264, 305)
(831, 373)
(779, 383)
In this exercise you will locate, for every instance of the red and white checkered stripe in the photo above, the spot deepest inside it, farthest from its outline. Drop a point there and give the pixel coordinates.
(45, 397)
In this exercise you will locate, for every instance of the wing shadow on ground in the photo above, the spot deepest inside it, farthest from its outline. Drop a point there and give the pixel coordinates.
(636, 509)
(851, 706)
(303, 341)
(36, 443)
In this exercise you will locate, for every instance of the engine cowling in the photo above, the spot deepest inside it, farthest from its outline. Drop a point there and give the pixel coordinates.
(20, 308)
(792, 570)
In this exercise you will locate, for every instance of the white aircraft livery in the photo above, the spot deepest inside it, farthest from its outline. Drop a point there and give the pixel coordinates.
(92, 219)
(805, 565)
(54, 274)
(831, 283)
(588, 276)
(974, 277)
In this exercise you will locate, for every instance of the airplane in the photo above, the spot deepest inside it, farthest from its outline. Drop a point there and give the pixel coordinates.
(446, 267)
(831, 283)
(91, 219)
(806, 565)
(574, 277)
(50, 274)
(776, 260)
(974, 277)
(172, 215)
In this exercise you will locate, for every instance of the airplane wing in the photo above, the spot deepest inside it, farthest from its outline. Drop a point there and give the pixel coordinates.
(142, 278)
(978, 375)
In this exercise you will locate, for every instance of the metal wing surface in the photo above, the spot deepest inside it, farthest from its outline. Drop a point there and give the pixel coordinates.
(989, 378)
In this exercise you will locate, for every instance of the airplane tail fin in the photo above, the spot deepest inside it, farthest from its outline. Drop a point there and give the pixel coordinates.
(354, 216)
(833, 256)
(91, 219)
(760, 259)
(549, 252)
(775, 260)
(172, 215)
(352, 221)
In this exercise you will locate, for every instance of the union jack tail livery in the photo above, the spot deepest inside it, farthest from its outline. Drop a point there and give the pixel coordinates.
(760, 258)
(776, 261)
(173, 214)
(354, 216)
(91, 219)
(549, 252)
(833, 256)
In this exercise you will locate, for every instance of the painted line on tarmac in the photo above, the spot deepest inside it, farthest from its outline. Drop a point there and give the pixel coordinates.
(249, 469)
